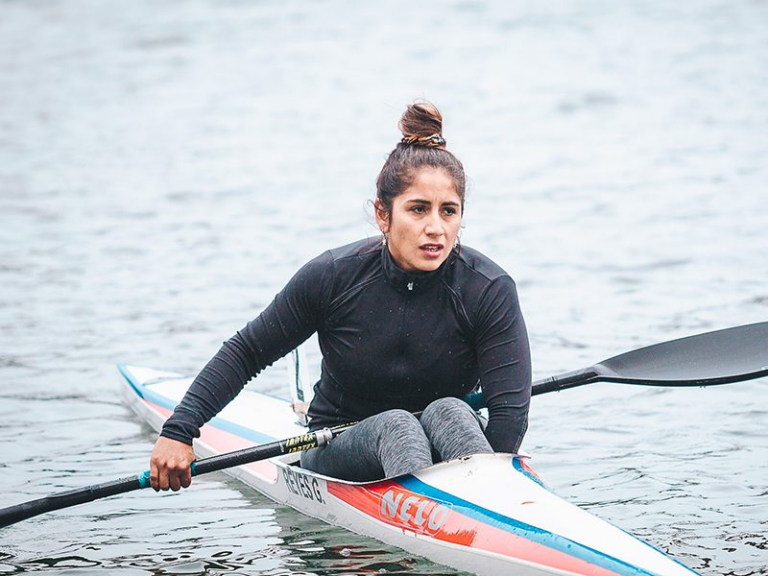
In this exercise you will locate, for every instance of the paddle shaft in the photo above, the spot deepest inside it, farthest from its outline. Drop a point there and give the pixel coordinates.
(565, 381)
(60, 500)
(552, 384)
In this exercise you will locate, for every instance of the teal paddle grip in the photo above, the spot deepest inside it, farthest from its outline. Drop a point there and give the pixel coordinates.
(475, 400)
(144, 479)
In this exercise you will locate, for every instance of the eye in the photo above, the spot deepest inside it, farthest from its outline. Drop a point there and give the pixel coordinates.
(418, 209)
(450, 211)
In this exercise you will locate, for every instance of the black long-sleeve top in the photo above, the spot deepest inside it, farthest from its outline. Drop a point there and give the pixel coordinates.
(389, 339)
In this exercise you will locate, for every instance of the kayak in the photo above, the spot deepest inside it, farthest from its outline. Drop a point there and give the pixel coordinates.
(488, 514)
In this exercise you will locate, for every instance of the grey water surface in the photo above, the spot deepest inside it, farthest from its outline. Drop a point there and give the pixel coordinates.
(166, 166)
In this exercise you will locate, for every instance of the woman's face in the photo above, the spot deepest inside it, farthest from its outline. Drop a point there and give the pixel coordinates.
(424, 222)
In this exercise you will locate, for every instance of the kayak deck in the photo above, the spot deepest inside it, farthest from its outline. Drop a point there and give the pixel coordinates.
(488, 514)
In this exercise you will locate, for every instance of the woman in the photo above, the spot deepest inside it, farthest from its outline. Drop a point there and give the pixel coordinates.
(408, 323)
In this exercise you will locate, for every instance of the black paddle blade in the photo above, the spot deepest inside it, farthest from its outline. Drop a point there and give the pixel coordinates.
(718, 357)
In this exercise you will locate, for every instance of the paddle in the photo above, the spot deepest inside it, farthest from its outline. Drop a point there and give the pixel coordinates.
(719, 357)
(60, 500)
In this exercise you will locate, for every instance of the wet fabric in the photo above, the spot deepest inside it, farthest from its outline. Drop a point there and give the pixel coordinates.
(389, 340)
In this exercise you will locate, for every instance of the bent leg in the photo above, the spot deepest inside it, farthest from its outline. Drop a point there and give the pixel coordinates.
(384, 445)
(453, 429)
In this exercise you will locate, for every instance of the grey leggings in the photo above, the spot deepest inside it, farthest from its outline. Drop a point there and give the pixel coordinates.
(397, 442)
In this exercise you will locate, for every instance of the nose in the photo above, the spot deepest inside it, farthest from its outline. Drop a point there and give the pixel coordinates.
(434, 225)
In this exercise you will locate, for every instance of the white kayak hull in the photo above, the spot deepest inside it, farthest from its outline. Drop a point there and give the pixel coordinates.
(487, 514)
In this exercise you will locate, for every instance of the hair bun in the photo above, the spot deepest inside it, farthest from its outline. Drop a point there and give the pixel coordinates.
(422, 147)
(422, 124)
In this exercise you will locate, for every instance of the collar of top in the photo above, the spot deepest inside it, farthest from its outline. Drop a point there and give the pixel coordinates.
(409, 281)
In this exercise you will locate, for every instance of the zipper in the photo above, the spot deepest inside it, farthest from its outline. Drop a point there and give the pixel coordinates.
(405, 305)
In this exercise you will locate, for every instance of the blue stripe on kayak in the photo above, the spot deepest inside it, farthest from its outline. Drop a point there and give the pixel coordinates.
(150, 395)
(519, 467)
(527, 531)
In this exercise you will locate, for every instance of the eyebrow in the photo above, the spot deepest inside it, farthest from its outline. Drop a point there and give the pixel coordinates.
(428, 203)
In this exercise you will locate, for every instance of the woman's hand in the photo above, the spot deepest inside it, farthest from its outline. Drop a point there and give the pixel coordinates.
(169, 465)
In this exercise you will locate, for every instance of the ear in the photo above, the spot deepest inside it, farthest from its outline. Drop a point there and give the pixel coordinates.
(382, 218)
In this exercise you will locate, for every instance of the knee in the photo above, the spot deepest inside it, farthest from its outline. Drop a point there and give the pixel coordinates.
(392, 423)
(399, 431)
(399, 419)
(448, 405)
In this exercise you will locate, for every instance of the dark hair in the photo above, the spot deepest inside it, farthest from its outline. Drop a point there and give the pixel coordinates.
(422, 147)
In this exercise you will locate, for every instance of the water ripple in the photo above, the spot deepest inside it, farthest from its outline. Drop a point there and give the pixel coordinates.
(162, 177)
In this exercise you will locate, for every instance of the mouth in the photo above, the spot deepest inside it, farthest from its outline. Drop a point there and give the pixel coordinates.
(431, 250)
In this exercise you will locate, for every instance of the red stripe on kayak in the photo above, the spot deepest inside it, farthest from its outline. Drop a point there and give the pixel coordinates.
(391, 503)
(164, 412)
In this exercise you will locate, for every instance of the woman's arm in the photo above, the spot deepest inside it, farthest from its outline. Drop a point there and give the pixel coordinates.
(504, 359)
(294, 315)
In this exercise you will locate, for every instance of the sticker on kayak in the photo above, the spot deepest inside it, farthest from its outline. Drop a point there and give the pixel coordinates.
(303, 485)
(395, 505)
(413, 510)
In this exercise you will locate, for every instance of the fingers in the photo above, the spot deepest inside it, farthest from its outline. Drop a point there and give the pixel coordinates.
(177, 478)
(154, 473)
(170, 465)
(174, 482)
(186, 478)
(159, 474)
(167, 479)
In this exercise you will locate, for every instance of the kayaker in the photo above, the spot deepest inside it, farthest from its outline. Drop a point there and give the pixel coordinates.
(408, 322)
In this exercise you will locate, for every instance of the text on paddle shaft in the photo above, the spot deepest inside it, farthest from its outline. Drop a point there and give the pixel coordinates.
(303, 485)
(413, 510)
(299, 443)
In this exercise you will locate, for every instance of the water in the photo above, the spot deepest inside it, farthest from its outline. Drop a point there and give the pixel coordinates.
(166, 166)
